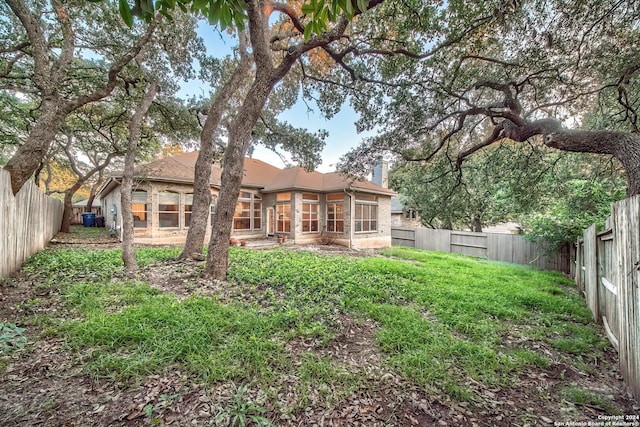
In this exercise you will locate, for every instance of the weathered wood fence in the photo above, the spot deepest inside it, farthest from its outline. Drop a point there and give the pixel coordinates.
(608, 273)
(27, 222)
(498, 247)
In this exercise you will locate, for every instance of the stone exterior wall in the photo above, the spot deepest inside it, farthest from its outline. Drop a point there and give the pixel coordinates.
(375, 239)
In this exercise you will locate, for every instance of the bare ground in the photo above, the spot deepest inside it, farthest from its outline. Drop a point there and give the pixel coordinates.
(46, 384)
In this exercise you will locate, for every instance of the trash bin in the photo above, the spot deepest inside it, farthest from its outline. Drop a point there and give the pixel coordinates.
(99, 221)
(88, 219)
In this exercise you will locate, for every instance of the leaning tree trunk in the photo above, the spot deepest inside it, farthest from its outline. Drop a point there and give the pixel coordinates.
(29, 155)
(67, 213)
(232, 174)
(240, 134)
(624, 146)
(49, 69)
(239, 137)
(201, 185)
(135, 125)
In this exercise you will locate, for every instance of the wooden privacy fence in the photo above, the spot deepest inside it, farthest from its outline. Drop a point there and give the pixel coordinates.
(608, 274)
(27, 222)
(498, 247)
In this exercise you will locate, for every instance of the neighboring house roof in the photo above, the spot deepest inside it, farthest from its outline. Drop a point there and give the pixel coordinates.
(257, 174)
(83, 203)
(396, 205)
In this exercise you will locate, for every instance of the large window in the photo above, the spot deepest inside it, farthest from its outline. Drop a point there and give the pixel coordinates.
(335, 213)
(248, 213)
(139, 209)
(169, 210)
(283, 213)
(366, 215)
(188, 203)
(310, 212)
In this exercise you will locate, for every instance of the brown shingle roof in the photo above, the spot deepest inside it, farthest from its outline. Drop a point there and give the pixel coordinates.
(300, 179)
(182, 168)
(259, 174)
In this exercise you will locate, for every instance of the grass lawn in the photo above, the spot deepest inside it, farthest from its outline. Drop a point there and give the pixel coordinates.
(295, 334)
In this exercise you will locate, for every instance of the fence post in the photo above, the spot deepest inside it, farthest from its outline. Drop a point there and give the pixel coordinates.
(626, 217)
(591, 270)
(578, 275)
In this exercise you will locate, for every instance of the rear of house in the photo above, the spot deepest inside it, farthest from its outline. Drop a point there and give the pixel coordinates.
(304, 206)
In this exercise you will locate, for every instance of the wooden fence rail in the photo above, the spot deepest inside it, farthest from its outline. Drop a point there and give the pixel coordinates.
(498, 247)
(608, 274)
(27, 222)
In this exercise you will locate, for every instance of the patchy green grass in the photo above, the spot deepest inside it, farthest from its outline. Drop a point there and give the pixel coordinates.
(442, 319)
(592, 399)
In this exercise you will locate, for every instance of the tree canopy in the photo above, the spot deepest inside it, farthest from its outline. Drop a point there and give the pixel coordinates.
(466, 75)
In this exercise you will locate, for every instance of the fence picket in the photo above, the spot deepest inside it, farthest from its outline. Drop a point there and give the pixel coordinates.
(27, 222)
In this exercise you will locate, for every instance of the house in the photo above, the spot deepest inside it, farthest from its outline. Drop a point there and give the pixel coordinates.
(81, 206)
(400, 216)
(403, 217)
(302, 205)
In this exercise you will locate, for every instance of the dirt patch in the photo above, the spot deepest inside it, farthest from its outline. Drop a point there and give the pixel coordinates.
(46, 383)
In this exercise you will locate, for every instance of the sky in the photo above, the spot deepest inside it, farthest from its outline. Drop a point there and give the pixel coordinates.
(341, 128)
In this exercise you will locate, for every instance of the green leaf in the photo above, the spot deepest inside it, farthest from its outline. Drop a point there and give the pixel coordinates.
(147, 6)
(214, 14)
(125, 12)
(349, 8)
(362, 5)
(307, 9)
(225, 17)
(200, 4)
(308, 31)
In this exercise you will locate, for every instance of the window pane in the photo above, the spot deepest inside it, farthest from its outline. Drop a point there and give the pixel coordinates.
(366, 197)
(335, 197)
(283, 197)
(139, 211)
(168, 198)
(283, 220)
(310, 196)
(257, 215)
(188, 203)
(242, 216)
(168, 208)
(168, 219)
(139, 197)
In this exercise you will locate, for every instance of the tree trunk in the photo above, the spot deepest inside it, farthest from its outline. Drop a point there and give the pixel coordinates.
(231, 181)
(624, 146)
(67, 213)
(29, 155)
(477, 224)
(239, 137)
(201, 185)
(128, 252)
(240, 133)
(50, 66)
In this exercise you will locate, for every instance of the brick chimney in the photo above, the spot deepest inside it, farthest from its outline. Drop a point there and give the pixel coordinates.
(380, 174)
